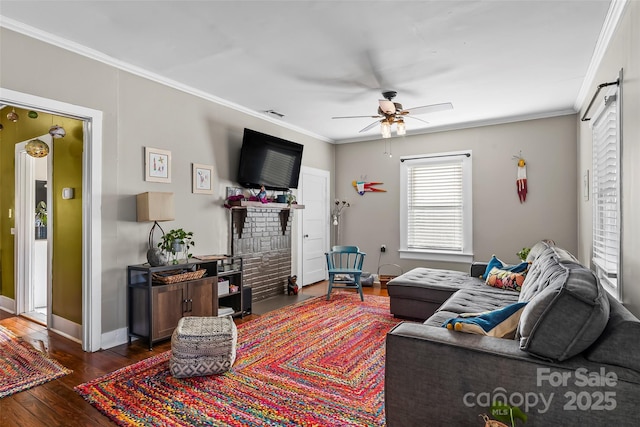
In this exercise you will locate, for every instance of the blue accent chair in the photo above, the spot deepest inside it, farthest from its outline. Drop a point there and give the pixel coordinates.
(345, 267)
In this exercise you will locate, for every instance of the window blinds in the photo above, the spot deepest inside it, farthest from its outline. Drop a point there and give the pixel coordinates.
(606, 189)
(435, 206)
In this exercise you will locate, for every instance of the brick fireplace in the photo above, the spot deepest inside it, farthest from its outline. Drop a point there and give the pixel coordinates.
(262, 237)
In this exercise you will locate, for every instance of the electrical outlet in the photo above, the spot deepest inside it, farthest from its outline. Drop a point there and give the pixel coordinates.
(383, 248)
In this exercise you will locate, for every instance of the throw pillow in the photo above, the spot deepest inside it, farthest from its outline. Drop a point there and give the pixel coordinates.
(495, 262)
(500, 323)
(504, 279)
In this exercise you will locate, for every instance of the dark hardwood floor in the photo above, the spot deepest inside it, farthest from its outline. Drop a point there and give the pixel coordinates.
(56, 403)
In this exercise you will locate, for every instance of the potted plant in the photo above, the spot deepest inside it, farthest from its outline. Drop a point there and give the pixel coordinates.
(523, 253)
(175, 242)
(41, 220)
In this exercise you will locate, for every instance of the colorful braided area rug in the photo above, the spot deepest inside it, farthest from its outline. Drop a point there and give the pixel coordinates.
(22, 366)
(317, 363)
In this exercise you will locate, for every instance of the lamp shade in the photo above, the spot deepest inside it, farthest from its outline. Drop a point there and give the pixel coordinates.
(155, 206)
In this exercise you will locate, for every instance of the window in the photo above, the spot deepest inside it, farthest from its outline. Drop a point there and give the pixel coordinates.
(606, 192)
(436, 207)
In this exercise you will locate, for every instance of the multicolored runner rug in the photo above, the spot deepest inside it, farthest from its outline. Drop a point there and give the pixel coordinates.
(317, 363)
(22, 366)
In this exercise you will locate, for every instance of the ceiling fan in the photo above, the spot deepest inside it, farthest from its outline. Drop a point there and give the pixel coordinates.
(390, 112)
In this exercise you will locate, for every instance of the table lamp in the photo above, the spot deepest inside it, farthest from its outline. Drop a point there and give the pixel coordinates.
(155, 206)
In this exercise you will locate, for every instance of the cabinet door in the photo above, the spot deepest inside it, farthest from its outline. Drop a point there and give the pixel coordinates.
(201, 298)
(168, 307)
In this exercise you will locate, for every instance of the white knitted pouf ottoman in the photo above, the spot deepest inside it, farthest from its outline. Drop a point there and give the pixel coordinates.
(203, 346)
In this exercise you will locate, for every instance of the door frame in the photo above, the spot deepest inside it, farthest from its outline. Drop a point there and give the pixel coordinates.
(24, 244)
(91, 204)
(299, 229)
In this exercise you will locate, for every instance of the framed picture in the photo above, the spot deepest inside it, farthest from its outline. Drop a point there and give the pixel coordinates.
(157, 165)
(202, 179)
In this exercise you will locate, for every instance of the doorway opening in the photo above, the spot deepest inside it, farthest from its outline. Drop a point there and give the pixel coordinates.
(33, 202)
(88, 329)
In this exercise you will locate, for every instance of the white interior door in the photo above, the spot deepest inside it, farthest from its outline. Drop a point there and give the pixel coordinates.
(314, 194)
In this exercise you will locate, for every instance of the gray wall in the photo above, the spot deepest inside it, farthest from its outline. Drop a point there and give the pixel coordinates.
(501, 225)
(623, 52)
(138, 113)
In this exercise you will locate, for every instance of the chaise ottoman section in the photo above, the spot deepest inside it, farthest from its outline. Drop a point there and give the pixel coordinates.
(203, 346)
(418, 293)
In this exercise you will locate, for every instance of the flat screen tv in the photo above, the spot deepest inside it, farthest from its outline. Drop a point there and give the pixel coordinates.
(270, 161)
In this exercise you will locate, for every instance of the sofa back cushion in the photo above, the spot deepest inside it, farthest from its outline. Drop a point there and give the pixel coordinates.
(568, 310)
(618, 344)
(542, 271)
(538, 248)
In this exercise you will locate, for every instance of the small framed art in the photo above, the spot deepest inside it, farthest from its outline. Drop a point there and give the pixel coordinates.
(202, 179)
(157, 165)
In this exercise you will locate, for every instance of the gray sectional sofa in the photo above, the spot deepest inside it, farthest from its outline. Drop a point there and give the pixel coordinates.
(574, 361)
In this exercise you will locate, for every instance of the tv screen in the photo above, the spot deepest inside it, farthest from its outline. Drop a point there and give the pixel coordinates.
(269, 161)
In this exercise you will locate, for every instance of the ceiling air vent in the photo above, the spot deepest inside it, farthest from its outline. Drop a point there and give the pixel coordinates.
(274, 113)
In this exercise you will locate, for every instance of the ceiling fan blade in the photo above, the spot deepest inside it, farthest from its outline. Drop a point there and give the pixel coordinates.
(415, 118)
(357, 117)
(387, 107)
(429, 108)
(370, 126)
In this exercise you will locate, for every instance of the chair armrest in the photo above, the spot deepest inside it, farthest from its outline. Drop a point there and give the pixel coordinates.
(478, 268)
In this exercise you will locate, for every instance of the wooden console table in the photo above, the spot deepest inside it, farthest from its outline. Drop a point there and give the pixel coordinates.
(154, 308)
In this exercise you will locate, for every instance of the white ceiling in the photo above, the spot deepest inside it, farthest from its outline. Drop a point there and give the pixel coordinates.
(312, 60)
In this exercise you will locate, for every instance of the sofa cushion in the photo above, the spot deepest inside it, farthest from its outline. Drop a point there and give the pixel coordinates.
(478, 299)
(504, 279)
(500, 323)
(542, 271)
(538, 248)
(618, 344)
(494, 262)
(567, 313)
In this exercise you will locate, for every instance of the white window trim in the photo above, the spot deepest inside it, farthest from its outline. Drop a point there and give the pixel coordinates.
(466, 254)
(613, 285)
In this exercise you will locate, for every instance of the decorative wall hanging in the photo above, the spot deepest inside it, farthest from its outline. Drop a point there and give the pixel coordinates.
(365, 187)
(157, 165)
(202, 179)
(57, 131)
(13, 116)
(37, 148)
(521, 181)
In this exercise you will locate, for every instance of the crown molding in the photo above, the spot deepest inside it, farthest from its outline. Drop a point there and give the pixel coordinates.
(614, 15)
(95, 55)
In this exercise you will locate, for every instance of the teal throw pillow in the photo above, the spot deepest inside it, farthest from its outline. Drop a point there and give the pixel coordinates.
(495, 262)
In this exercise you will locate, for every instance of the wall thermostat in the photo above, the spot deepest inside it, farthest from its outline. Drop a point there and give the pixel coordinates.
(68, 193)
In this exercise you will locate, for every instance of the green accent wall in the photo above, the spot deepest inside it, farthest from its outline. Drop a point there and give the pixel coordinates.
(66, 215)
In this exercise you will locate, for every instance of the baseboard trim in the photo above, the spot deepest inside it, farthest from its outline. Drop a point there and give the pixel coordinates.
(114, 338)
(66, 328)
(7, 304)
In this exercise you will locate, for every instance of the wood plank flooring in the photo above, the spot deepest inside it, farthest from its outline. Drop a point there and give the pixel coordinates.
(55, 403)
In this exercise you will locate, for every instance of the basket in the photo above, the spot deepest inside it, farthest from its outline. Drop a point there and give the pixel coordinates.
(175, 276)
(384, 278)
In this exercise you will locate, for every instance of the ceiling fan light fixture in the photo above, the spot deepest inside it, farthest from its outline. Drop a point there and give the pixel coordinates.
(400, 128)
(385, 128)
